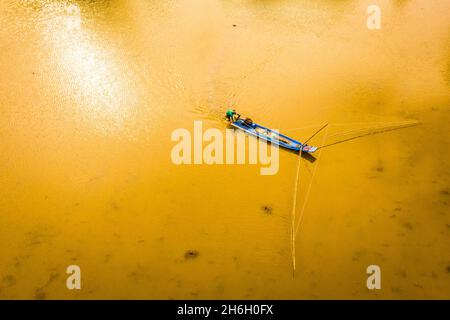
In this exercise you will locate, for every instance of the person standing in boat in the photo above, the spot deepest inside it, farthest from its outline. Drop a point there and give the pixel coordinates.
(232, 115)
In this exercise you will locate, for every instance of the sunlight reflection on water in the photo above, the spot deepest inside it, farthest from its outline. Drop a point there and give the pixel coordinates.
(88, 65)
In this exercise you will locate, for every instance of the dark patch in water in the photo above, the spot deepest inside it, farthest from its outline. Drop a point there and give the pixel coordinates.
(114, 206)
(9, 281)
(445, 192)
(137, 276)
(40, 295)
(191, 254)
(379, 167)
(418, 285)
(267, 209)
(448, 269)
(408, 226)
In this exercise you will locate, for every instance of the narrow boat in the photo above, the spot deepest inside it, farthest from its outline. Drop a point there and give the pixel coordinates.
(271, 136)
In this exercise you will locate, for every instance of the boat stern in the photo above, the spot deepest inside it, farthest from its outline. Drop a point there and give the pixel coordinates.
(309, 149)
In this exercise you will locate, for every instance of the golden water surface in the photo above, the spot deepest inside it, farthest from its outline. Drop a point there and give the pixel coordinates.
(90, 92)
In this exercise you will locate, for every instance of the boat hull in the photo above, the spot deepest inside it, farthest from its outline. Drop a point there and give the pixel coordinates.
(272, 136)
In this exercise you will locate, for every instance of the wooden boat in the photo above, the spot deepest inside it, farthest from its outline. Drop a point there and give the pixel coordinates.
(271, 136)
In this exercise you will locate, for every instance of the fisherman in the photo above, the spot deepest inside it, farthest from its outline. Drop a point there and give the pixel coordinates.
(231, 114)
